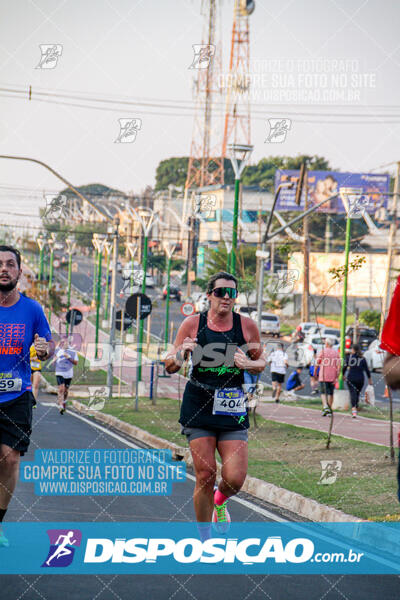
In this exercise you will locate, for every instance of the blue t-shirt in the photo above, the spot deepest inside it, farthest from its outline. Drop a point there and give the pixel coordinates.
(293, 382)
(18, 325)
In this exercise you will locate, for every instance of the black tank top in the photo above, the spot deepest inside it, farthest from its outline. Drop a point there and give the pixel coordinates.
(212, 369)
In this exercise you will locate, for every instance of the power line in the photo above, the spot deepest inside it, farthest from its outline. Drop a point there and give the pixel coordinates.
(141, 106)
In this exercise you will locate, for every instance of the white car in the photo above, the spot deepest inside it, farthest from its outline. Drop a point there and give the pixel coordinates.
(150, 281)
(306, 326)
(202, 304)
(374, 356)
(270, 323)
(300, 355)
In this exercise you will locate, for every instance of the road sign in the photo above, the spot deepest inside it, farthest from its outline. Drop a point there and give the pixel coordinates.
(74, 316)
(127, 320)
(131, 306)
(188, 309)
(262, 254)
(56, 263)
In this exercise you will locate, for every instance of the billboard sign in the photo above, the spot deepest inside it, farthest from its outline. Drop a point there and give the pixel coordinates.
(322, 184)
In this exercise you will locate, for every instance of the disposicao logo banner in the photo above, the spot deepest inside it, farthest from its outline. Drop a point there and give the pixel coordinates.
(159, 548)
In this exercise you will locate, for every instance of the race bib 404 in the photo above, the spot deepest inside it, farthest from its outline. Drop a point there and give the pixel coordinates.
(229, 401)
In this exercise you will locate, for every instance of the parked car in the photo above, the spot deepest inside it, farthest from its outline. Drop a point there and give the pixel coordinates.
(365, 336)
(329, 331)
(150, 281)
(202, 304)
(306, 326)
(270, 323)
(174, 293)
(374, 356)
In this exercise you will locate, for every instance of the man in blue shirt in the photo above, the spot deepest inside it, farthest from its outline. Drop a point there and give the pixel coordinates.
(22, 323)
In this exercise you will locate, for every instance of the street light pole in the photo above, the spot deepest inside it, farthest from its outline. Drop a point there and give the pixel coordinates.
(70, 247)
(169, 251)
(345, 194)
(263, 254)
(344, 301)
(114, 230)
(140, 214)
(391, 245)
(99, 245)
(232, 262)
(239, 155)
(51, 242)
(141, 321)
(107, 248)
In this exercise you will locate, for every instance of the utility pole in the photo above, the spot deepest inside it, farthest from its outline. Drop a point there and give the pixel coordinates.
(391, 247)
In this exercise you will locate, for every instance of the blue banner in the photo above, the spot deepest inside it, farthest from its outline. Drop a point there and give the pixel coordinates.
(322, 184)
(160, 548)
(74, 472)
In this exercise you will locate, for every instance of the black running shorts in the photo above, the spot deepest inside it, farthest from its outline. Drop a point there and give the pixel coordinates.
(16, 422)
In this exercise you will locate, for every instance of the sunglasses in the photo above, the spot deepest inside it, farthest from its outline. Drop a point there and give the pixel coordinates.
(220, 292)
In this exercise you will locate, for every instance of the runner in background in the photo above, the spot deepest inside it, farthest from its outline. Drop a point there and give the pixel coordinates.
(66, 358)
(279, 363)
(36, 368)
(328, 361)
(22, 323)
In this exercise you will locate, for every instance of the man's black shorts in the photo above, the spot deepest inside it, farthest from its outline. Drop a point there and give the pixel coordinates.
(279, 377)
(16, 422)
(64, 380)
(327, 387)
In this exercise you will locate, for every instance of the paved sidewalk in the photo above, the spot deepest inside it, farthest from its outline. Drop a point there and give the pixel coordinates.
(363, 429)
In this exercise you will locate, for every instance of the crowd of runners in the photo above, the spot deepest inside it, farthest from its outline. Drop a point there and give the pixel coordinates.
(223, 350)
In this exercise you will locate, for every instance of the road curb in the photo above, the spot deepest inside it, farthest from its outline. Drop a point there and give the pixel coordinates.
(295, 503)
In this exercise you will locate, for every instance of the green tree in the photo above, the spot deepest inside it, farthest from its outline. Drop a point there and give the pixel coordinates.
(371, 318)
(173, 171)
(262, 174)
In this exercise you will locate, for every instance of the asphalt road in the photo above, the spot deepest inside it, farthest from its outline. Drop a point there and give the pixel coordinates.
(53, 431)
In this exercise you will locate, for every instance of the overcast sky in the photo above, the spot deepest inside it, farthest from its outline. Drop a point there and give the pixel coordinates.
(143, 50)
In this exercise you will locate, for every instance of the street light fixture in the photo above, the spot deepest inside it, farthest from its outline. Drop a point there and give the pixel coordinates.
(132, 249)
(239, 155)
(41, 242)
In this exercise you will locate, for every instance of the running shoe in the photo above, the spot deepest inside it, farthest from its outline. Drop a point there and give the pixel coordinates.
(221, 518)
(4, 543)
(354, 413)
(326, 411)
